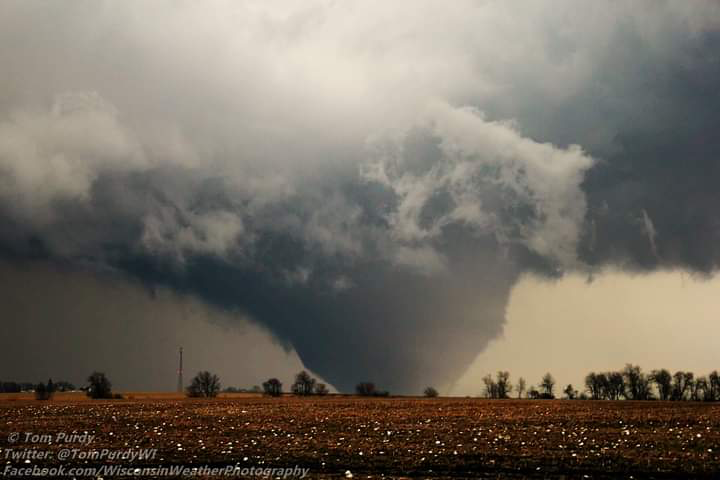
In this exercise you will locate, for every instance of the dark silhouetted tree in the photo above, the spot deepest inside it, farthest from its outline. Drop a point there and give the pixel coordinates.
(663, 381)
(681, 385)
(99, 386)
(504, 387)
(45, 391)
(64, 386)
(368, 389)
(520, 387)
(365, 389)
(547, 386)
(615, 385)
(10, 387)
(714, 386)
(699, 389)
(533, 393)
(637, 384)
(570, 392)
(272, 387)
(321, 389)
(304, 384)
(41, 392)
(430, 392)
(593, 386)
(491, 388)
(204, 384)
(607, 388)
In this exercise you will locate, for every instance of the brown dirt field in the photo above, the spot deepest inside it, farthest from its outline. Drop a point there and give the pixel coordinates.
(394, 437)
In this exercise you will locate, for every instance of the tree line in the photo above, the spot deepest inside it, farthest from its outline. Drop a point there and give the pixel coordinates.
(206, 384)
(630, 383)
(500, 387)
(18, 387)
(633, 384)
(98, 386)
(306, 385)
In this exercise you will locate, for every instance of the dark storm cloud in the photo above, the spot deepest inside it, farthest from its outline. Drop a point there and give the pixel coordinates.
(665, 171)
(647, 112)
(57, 322)
(367, 185)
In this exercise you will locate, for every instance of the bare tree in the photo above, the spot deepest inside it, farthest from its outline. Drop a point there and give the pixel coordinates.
(63, 386)
(699, 389)
(430, 392)
(10, 387)
(615, 385)
(636, 382)
(594, 386)
(681, 385)
(504, 387)
(321, 389)
(570, 392)
(365, 389)
(714, 386)
(272, 387)
(204, 384)
(611, 385)
(99, 386)
(533, 392)
(520, 387)
(491, 389)
(43, 391)
(304, 384)
(547, 386)
(633, 384)
(663, 380)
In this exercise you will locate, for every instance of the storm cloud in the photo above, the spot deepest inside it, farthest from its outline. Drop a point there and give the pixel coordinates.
(366, 181)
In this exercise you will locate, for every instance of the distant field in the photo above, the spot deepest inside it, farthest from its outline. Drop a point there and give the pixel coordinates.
(395, 436)
(81, 397)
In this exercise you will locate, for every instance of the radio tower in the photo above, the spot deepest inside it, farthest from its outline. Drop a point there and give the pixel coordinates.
(180, 379)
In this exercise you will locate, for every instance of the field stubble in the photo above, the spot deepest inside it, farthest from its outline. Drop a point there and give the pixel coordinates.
(394, 436)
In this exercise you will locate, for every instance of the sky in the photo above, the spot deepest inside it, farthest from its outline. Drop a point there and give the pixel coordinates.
(571, 328)
(402, 193)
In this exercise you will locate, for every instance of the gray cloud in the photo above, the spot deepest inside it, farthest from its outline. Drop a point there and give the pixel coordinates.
(365, 183)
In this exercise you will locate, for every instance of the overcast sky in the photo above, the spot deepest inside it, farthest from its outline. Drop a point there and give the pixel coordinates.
(374, 191)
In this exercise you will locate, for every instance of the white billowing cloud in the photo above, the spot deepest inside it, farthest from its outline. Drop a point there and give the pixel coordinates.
(58, 154)
(269, 95)
(538, 174)
(479, 157)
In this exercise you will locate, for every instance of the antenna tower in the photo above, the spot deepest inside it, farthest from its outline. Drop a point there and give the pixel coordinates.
(180, 372)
